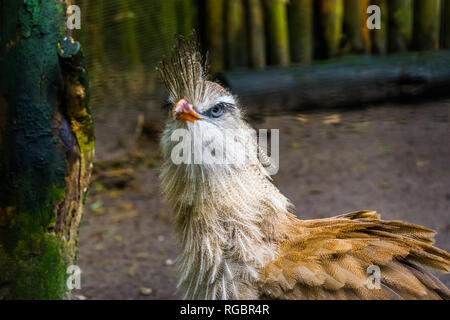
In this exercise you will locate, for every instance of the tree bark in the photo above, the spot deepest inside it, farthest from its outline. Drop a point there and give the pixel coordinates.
(46, 149)
(301, 30)
(427, 18)
(400, 25)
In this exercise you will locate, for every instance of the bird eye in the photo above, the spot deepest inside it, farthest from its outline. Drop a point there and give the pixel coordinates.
(217, 110)
(167, 105)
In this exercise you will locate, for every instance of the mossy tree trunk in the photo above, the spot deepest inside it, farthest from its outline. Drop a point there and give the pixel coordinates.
(277, 32)
(235, 34)
(46, 146)
(256, 39)
(301, 30)
(400, 25)
(427, 18)
(379, 37)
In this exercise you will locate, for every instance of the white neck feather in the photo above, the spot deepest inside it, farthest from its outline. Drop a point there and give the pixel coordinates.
(228, 224)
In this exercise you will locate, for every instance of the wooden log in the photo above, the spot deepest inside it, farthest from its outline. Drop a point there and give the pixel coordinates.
(236, 46)
(445, 28)
(277, 32)
(330, 25)
(427, 14)
(379, 37)
(355, 30)
(400, 25)
(300, 13)
(256, 38)
(346, 82)
(215, 36)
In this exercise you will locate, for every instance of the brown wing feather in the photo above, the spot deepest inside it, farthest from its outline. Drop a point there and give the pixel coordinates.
(328, 259)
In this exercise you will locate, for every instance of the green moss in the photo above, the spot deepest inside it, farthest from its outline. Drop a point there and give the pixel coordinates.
(57, 194)
(7, 217)
(39, 258)
(40, 268)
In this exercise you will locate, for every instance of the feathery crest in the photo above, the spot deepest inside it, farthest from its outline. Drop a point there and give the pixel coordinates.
(185, 73)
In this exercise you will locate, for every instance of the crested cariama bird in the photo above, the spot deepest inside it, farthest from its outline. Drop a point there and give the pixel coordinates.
(237, 234)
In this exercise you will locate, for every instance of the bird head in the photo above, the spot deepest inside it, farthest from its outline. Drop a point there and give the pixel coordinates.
(227, 183)
(207, 114)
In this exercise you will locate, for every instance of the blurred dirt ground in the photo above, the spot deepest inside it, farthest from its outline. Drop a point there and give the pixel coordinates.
(390, 158)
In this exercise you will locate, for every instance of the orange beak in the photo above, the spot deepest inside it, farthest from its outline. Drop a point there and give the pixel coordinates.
(183, 110)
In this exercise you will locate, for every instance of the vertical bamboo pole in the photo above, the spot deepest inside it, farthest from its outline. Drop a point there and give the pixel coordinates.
(277, 32)
(235, 34)
(400, 24)
(445, 31)
(427, 14)
(158, 28)
(358, 35)
(256, 38)
(379, 37)
(215, 34)
(186, 17)
(128, 35)
(301, 30)
(331, 22)
(165, 25)
(96, 26)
